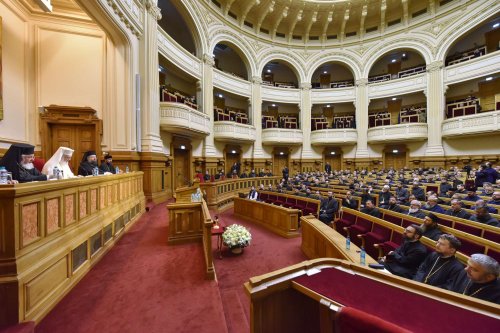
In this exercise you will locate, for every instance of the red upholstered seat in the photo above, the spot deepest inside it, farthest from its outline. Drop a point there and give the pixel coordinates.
(362, 226)
(469, 247)
(494, 254)
(38, 163)
(272, 198)
(470, 229)
(446, 222)
(406, 223)
(393, 219)
(263, 196)
(391, 245)
(492, 236)
(312, 208)
(290, 202)
(26, 327)
(280, 201)
(345, 221)
(379, 234)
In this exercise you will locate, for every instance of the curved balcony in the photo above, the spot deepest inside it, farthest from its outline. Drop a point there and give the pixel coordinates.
(175, 53)
(282, 136)
(181, 119)
(405, 85)
(328, 137)
(475, 124)
(282, 95)
(231, 83)
(231, 131)
(472, 69)
(402, 132)
(336, 95)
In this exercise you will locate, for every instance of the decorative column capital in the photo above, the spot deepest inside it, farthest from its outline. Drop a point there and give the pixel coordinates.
(362, 82)
(305, 85)
(256, 79)
(152, 8)
(208, 59)
(434, 66)
(199, 85)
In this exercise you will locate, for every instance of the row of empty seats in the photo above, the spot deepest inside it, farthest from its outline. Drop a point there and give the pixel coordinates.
(176, 97)
(282, 122)
(319, 123)
(379, 119)
(413, 114)
(463, 107)
(336, 84)
(403, 73)
(228, 114)
(280, 84)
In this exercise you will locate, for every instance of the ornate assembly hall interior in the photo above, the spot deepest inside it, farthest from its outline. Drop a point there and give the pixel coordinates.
(260, 114)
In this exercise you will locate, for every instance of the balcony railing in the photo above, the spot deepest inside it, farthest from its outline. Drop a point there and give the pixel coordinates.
(398, 86)
(273, 136)
(476, 124)
(402, 132)
(180, 118)
(334, 136)
(233, 131)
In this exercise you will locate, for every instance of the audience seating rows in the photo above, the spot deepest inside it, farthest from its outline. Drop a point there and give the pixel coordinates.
(463, 107)
(229, 114)
(177, 97)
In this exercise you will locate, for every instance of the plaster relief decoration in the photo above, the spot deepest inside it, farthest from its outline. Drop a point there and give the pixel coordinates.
(52, 208)
(29, 222)
(1, 84)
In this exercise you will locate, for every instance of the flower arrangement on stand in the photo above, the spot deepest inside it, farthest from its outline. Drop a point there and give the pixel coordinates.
(236, 237)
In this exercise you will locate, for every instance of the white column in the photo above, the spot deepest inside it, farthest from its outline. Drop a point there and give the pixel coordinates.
(150, 99)
(362, 118)
(305, 118)
(435, 108)
(256, 109)
(208, 102)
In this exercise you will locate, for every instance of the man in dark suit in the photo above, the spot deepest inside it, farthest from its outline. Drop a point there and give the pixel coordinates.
(329, 206)
(328, 168)
(285, 173)
(405, 260)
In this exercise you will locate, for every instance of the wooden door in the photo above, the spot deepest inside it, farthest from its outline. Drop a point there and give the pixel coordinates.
(230, 160)
(280, 161)
(334, 160)
(181, 168)
(80, 138)
(395, 160)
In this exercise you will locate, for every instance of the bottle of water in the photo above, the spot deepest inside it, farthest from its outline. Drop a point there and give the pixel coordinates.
(362, 256)
(117, 170)
(3, 175)
(348, 243)
(126, 169)
(55, 172)
(95, 171)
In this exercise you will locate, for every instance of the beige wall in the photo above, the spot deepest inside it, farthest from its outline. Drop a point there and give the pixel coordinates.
(44, 63)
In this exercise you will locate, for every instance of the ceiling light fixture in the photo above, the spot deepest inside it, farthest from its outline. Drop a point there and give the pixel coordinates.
(496, 25)
(282, 153)
(273, 105)
(332, 153)
(183, 147)
(489, 78)
(269, 71)
(393, 60)
(220, 95)
(233, 151)
(395, 151)
(394, 98)
(325, 72)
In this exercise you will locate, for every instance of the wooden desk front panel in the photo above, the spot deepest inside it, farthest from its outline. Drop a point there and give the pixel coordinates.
(280, 220)
(54, 231)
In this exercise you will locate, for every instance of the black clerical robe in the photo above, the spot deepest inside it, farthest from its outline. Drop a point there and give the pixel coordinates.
(396, 208)
(328, 207)
(406, 259)
(30, 175)
(461, 213)
(432, 233)
(86, 168)
(437, 271)
(489, 291)
(372, 212)
(107, 167)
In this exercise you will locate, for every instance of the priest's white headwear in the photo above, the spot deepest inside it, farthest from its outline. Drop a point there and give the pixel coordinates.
(57, 160)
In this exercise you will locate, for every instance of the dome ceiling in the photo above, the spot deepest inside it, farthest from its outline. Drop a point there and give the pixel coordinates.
(322, 20)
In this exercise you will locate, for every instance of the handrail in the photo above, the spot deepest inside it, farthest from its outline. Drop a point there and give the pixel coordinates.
(207, 241)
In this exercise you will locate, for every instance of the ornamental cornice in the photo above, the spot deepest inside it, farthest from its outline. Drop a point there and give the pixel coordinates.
(152, 8)
(131, 17)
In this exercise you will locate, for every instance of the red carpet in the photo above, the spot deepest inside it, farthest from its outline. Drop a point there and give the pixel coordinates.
(267, 252)
(142, 285)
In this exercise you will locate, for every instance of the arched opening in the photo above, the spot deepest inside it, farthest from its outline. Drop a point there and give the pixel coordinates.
(333, 115)
(279, 73)
(176, 23)
(395, 110)
(477, 42)
(332, 75)
(231, 107)
(177, 86)
(280, 115)
(397, 64)
(230, 59)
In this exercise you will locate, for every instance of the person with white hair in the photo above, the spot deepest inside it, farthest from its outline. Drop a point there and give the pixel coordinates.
(384, 196)
(415, 210)
(479, 279)
(60, 162)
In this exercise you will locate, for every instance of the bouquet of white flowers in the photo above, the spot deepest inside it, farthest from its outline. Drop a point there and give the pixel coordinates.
(236, 236)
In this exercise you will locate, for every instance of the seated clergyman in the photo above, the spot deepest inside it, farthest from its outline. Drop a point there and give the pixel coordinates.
(19, 161)
(441, 267)
(57, 167)
(479, 279)
(107, 164)
(88, 164)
